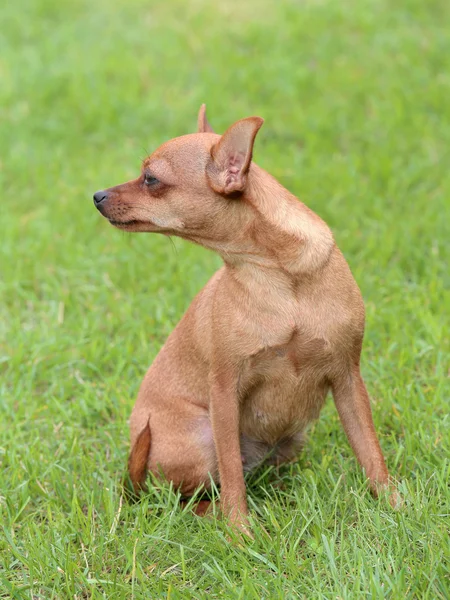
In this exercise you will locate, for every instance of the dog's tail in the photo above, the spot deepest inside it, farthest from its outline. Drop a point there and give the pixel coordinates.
(137, 463)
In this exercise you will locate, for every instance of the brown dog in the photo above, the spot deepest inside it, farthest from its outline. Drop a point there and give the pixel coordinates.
(277, 327)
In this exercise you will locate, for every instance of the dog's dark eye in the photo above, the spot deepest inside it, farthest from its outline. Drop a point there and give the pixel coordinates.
(150, 180)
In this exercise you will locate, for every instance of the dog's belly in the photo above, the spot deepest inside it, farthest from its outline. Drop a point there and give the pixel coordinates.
(283, 389)
(276, 410)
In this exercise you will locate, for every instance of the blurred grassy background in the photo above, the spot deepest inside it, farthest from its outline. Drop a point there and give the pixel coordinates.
(355, 98)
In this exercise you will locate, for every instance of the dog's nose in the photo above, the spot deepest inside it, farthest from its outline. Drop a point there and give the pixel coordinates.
(100, 197)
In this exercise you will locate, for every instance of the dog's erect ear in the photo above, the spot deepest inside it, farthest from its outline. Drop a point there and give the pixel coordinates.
(231, 156)
(202, 121)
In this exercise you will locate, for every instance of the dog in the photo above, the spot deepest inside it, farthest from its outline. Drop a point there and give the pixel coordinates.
(280, 325)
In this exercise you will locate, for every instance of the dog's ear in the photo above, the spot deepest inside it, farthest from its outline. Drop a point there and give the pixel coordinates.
(231, 156)
(202, 121)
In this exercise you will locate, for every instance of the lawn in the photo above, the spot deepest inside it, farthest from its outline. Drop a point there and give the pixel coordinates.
(355, 97)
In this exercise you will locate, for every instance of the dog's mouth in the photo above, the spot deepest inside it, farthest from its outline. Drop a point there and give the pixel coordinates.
(135, 225)
(124, 223)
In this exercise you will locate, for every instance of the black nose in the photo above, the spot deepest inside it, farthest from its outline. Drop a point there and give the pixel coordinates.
(100, 197)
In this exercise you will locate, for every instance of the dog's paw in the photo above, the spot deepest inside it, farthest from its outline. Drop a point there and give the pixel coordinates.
(240, 526)
(395, 498)
(201, 508)
(240, 533)
(390, 492)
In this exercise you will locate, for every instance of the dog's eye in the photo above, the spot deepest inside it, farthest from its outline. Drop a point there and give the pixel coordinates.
(150, 180)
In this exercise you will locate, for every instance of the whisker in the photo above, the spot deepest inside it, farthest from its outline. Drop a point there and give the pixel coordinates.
(173, 244)
(146, 151)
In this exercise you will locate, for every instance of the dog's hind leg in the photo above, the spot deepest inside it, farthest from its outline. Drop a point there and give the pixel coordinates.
(176, 445)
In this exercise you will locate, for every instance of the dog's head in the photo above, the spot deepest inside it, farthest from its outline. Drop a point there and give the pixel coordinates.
(189, 186)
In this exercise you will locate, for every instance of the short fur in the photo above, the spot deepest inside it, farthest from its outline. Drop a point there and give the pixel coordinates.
(250, 364)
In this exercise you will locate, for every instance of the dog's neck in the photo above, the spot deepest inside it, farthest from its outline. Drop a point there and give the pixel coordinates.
(273, 238)
(279, 234)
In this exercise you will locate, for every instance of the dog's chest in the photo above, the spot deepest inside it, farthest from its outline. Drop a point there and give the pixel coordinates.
(283, 387)
(291, 358)
(288, 339)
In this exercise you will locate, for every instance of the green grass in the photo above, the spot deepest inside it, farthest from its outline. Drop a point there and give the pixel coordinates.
(356, 100)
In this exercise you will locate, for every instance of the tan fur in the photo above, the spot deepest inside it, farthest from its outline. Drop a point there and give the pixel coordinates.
(249, 365)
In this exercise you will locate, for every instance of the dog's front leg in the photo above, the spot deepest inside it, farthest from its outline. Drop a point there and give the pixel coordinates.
(224, 410)
(353, 405)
